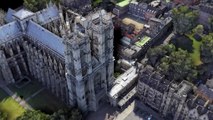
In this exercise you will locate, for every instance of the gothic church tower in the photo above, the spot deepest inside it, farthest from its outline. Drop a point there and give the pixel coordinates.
(89, 60)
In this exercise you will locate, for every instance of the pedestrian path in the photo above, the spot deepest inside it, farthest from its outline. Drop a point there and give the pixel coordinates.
(36, 93)
(126, 112)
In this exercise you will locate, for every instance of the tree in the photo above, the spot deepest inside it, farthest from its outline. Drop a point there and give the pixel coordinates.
(36, 5)
(2, 15)
(184, 19)
(199, 29)
(211, 24)
(207, 49)
(3, 116)
(178, 66)
(65, 114)
(34, 115)
(155, 54)
(96, 2)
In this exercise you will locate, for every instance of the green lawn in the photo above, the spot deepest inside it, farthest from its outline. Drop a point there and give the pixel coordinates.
(196, 52)
(123, 3)
(46, 102)
(26, 90)
(12, 108)
(3, 94)
(143, 41)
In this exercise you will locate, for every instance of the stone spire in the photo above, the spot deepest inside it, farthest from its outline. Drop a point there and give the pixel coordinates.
(68, 24)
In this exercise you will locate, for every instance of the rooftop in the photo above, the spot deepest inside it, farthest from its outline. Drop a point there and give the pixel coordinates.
(138, 26)
(45, 37)
(183, 88)
(123, 81)
(33, 30)
(143, 41)
(154, 79)
(127, 97)
(123, 3)
(9, 31)
(9, 16)
(44, 16)
(203, 90)
(22, 14)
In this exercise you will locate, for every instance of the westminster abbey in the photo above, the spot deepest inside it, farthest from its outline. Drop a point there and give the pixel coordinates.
(70, 54)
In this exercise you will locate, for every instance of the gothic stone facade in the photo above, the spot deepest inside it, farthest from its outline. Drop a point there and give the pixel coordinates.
(72, 59)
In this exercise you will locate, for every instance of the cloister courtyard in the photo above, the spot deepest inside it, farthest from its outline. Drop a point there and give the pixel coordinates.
(24, 95)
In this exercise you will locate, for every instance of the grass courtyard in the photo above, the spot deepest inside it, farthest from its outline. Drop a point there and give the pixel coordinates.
(27, 90)
(12, 108)
(196, 51)
(143, 41)
(46, 102)
(123, 3)
(3, 94)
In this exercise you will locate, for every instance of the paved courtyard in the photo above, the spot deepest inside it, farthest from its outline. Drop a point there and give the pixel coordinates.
(134, 111)
(105, 111)
(142, 112)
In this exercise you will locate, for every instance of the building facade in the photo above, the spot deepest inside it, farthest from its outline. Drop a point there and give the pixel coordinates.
(71, 55)
(174, 101)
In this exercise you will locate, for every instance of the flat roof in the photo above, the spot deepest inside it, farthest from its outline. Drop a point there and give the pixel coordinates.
(127, 97)
(138, 25)
(123, 81)
(21, 14)
(123, 3)
(143, 41)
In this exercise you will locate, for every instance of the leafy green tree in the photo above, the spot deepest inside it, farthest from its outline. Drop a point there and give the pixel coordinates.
(75, 115)
(211, 23)
(184, 19)
(96, 2)
(72, 114)
(199, 29)
(59, 115)
(36, 5)
(207, 49)
(178, 66)
(3, 116)
(155, 54)
(34, 115)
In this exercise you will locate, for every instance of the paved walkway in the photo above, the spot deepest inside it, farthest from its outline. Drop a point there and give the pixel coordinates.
(167, 40)
(36, 93)
(105, 112)
(126, 112)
